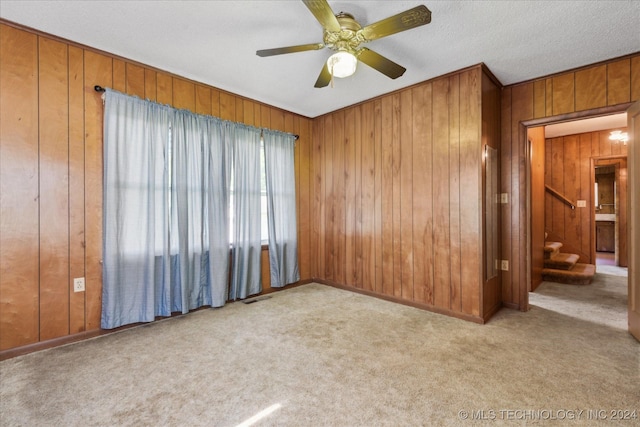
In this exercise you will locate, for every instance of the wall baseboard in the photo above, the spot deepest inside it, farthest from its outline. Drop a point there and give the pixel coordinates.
(426, 307)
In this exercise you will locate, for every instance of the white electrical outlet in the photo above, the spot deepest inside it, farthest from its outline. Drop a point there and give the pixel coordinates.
(78, 284)
(504, 265)
(504, 198)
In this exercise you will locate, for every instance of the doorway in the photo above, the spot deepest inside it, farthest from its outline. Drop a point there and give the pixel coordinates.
(565, 205)
(610, 211)
(561, 174)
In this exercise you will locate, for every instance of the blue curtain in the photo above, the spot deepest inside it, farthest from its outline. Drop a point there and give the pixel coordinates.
(281, 207)
(135, 218)
(245, 241)
(182, 196)
(166, 197)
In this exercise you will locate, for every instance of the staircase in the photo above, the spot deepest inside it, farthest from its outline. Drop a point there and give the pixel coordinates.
(565, 268)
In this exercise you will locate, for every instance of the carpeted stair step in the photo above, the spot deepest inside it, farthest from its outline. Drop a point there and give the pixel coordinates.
(561, 261)
(580, 274)
(551, 248)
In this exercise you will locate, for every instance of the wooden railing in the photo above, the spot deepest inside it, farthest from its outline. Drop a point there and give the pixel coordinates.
(559, 196)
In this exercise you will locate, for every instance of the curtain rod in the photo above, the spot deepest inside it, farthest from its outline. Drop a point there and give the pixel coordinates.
(99, 88)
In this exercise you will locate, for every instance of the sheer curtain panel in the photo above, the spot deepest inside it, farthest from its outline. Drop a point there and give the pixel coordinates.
(281, 207)
(245, 241)
(166, 225)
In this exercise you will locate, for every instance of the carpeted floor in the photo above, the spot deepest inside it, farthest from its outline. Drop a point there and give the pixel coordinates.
(318, 356)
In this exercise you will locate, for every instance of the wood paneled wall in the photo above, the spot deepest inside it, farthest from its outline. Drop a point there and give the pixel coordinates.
(537, 156)
(51, 174)
(397, 194)
(568, 169)
(601, 85)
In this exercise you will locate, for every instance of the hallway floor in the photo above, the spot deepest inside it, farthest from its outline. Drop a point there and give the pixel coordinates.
(606, 264)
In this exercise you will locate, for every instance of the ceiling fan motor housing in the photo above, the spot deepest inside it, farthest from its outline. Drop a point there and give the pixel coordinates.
(348, 38)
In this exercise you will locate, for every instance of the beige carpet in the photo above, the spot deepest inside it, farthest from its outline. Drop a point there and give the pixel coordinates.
(319, 356)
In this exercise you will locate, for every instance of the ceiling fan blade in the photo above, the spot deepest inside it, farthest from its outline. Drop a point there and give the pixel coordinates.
(380, 63)
(324, 78)
(290, 49)
(323, 13)
(406, 20)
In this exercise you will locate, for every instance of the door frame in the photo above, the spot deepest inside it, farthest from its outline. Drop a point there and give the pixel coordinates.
(524, 126)
(622, 217)
(633, 225)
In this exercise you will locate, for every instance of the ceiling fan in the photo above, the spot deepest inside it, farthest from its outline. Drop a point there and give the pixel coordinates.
(343, 34)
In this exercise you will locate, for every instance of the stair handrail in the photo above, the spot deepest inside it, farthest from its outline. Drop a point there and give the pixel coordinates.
(562, 198)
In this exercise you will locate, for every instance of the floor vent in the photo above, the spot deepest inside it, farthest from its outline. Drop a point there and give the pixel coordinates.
(251, 301)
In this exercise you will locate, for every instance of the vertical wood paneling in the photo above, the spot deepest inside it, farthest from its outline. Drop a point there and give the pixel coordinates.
(150, 85)
(549, 97)
(539, 98)
(370, 153)
(329, 230)
(591, 87)
(97, 70)
(506, 186)
(215, 103)
(19, 265)
(277, 119)
(571, 182)
(164, 90)
(359, 173)
(618, 82)
(339, 240)
(406, 193)
(454, 191)
(304, 195)
(548, 199)
(396, 148)
(265, 115)
(585, 190)
(635, 78)
(184, 94)
(203, 100)
(422, 194)
(54, 188)
(265, 270)
(135, 80)
(387, 195)
(119, 76)
(522, 107)
(248, 113)
(563, 94)
(605, 144)
(441, 237)
(373, 202)
(240, 111)
(557, 182)
(351, 200)
(536, 136)
(472, 93)
(76, 187)
(317, 232)
(227, 106)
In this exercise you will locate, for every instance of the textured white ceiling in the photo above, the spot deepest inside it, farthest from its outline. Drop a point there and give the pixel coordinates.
(214, 42)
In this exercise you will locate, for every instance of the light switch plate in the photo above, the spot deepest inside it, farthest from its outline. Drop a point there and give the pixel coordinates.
(582, 203)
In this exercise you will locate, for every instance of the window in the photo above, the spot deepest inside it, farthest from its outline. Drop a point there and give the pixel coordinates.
(264, 225)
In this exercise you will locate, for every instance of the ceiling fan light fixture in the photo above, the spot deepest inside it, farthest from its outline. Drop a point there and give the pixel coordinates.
(342, 64)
